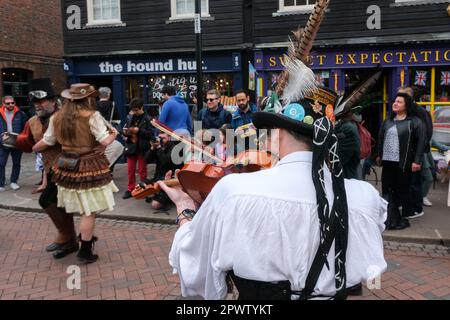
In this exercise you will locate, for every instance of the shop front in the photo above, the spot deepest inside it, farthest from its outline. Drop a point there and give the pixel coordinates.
(428, 69)
(145, 77)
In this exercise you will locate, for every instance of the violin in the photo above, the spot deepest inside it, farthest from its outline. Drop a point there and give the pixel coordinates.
(142, 190)
(131, 133)
(197, 179)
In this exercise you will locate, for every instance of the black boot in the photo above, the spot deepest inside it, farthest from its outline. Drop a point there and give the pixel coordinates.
(66, 248)
(59, 219)
(393, 213)
(85, 254)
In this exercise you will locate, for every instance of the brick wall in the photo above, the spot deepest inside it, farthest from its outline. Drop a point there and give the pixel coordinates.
(31, 38)
(31, 26)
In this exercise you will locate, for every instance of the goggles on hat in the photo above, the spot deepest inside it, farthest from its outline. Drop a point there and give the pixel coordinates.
(38, 94)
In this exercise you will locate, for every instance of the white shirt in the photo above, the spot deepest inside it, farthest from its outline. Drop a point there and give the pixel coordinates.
(391, 147)
(9, 118)
(264, 225)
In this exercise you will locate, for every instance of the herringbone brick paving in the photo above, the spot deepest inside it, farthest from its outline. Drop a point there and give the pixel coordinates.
(133, 264)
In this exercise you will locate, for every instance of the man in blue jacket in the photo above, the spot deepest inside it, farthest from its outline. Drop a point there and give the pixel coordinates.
(12, 120)
(243, 115)
(175, 112)
(214, 116)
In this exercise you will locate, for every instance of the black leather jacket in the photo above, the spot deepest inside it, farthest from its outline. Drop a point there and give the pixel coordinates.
(411, 136)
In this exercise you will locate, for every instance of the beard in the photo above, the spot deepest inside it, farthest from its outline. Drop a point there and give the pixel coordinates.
(44, 113)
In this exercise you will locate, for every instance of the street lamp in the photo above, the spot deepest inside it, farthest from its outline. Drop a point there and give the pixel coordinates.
(198, 53)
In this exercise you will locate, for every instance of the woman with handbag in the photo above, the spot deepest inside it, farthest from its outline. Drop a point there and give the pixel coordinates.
(82, 171)
(138, 133)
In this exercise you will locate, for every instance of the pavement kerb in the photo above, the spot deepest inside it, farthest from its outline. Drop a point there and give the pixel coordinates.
(170, 221)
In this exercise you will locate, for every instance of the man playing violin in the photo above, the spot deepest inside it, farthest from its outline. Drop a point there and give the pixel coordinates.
(138, 133)
(294, 231)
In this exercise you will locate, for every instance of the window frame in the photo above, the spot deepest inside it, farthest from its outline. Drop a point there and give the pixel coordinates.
(92, 22)
(297, 8)
(399, 3)
(175, 16)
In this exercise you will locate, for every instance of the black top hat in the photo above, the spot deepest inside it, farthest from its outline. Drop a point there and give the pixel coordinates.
(41, 89)
(299, 116)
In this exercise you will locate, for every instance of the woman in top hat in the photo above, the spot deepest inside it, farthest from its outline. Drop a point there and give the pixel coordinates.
(81, 173)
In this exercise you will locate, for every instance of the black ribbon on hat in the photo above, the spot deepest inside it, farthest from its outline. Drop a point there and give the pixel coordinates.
(334, 222)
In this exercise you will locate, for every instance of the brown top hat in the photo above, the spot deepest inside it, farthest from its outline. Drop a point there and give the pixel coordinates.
(79, 91)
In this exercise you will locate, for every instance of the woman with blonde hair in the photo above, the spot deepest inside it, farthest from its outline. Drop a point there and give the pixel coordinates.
(81, 172)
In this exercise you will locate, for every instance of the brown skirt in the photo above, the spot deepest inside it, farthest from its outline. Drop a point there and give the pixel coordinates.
(93, 172)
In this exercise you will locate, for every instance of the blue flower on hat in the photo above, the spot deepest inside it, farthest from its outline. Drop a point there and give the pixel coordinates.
(295, 111)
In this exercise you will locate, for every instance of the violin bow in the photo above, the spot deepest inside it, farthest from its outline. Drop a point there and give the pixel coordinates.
(162, 127)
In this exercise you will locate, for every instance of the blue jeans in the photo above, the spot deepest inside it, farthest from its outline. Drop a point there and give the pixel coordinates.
(16, 156)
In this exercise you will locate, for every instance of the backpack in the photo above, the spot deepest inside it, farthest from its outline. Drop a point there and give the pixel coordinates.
(366, 142)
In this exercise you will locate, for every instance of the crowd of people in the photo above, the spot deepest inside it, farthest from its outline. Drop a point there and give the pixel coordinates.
(74, 140)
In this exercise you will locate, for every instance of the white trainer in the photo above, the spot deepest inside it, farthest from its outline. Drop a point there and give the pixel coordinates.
(2, 189)
(427, 202)
(14, 186)
(415, 215)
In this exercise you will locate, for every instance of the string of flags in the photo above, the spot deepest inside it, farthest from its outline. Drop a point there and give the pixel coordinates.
(421, 78)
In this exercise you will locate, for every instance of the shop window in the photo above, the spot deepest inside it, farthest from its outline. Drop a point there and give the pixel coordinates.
(323, 78)
(272, 78)
(420, 79)
(16, 84)
(182, 9)
(221, 82)
(373, 96)
(134, 88)
(443, 84)
(186, 85)
(103, 12)
(441, 132)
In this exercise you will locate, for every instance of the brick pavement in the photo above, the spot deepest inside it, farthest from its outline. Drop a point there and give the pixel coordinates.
(133, 264)
(433, 227)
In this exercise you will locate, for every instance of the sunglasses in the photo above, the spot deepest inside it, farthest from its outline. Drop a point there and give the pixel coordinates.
(9, 103)
(38, 94)
(211, 99)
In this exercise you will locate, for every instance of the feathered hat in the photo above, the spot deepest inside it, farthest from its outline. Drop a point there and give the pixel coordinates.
(308, 108)
(298, 99)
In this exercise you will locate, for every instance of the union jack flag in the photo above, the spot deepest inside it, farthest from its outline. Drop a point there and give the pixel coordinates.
(319, 78)
(421, 78)
(445, 78)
